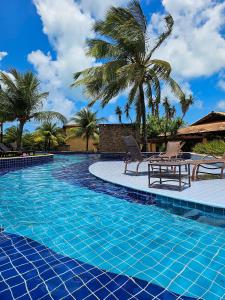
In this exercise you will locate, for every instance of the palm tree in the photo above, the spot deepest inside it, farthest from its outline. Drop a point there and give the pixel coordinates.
(87, 124)
(186, 102)
(119, 113)
(51, 132)
(124, 46)
(21, 97)
(4, 117)
(170, 111)
(127, 111)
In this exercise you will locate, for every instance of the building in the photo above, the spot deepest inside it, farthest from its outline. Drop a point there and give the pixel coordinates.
(74, 143)
(210, 127)
(111, 136)
(207, 128)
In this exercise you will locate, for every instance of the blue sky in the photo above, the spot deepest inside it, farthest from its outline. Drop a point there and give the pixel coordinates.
(48, 37)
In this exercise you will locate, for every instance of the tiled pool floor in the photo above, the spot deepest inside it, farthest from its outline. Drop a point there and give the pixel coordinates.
(208, 192)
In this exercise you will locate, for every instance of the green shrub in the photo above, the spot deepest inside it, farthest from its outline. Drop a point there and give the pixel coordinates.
(213, 148)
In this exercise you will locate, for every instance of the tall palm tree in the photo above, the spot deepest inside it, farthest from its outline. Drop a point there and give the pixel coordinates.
(22, 98)
(123, 44)
(119, 113)
(87, 124)
(186, 102)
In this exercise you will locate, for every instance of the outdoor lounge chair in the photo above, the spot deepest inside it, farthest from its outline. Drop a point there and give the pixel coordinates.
(134, 153)
(5, 151)
(208, 163)
(173, 151)
(14, 147)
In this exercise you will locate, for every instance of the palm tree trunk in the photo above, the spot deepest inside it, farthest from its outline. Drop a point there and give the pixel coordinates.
(1, 132)
(87, 142)
(49, 144)
(165, 133)
(153, 108)
(157, 109)
(45, 144)
(183, 115)
(20, 134)
(143, 116)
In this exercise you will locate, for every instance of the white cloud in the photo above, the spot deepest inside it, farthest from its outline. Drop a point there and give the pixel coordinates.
(67, 29)
(67, 24)
(2, 54)
(113, 119)
(98, 8)
(123, 94)
(221, 105)
(196, 46)
(221, 84)
(198, 104)
(166, 90)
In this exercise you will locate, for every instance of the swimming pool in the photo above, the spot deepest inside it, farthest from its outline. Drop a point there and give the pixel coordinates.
(148, 252)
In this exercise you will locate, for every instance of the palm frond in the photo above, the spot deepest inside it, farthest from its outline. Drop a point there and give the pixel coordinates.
(161, 68)
(175, 88)
(163, 36)
(49, 116)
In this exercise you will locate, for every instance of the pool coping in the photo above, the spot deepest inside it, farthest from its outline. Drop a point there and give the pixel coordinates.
(204, 206)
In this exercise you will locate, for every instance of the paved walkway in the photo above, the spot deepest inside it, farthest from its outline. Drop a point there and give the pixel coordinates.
(209, 192)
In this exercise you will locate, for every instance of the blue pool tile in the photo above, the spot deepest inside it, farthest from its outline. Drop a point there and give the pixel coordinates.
(94, 241)
(48, 280)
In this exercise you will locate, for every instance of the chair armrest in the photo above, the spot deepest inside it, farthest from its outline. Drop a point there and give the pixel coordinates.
(161, 153)
(127, 156)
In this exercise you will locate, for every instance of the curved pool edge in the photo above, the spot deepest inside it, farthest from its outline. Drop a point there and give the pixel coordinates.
(97, 169)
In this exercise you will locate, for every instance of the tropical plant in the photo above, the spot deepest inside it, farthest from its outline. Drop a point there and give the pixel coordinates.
(166, 125)
(123, 44)
(10, 135)
(119, 113)
(4, 117)
(163, 126)
(154, 127)
(86, 122)
(185, 103)
(28, 141)
(52, 134)
(127, 112)
(170, 111)
(216, 147)
(21, 97)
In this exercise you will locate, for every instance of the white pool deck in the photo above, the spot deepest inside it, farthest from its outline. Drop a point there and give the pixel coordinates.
(208, 192)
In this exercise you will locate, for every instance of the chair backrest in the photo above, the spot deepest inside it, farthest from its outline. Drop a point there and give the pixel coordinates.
(173, 148)
(4, 148)
(14, 146)
(132, 148)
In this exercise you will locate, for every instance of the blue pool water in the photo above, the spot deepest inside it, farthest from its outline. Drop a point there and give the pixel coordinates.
(58, 206)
